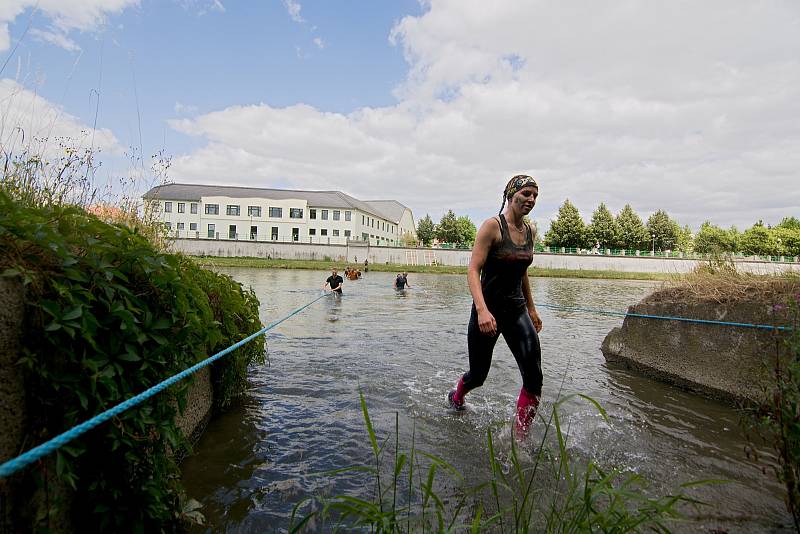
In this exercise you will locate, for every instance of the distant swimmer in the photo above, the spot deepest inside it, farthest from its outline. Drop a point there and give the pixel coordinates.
(401, 281)
(334, 282)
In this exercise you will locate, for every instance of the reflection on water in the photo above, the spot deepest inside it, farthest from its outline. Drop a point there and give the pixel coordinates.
(404, 350)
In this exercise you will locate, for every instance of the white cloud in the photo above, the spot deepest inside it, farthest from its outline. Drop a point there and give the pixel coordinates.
(319, 42)
(57, 38)
(686, 107)
(293, 8)
(66, 15)
(184, 109)
(30, 122)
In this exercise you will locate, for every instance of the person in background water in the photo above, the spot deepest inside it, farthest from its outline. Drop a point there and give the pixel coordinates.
(334, 282)
(366, 265)
(401, 281)
(502, 301)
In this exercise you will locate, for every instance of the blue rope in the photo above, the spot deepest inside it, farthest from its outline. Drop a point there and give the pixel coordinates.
(663, 317)
(12, 466)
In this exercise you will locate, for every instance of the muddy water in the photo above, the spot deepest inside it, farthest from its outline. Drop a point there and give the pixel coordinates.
(404, 350)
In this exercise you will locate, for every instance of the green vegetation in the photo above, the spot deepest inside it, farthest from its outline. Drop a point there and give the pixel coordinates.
(662, 233)
(109, 315)
(551, 492)
(324, 265)
(777, 419)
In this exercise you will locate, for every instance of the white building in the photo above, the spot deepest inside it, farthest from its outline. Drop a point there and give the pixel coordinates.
(326, 217)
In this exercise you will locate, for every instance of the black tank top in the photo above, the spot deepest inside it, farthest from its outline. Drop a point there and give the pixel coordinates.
(501, 276)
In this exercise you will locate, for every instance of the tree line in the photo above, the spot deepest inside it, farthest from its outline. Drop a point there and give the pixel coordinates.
(626, 230)
(451, 229)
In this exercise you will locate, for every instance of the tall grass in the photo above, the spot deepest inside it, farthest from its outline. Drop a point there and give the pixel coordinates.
(550, 492)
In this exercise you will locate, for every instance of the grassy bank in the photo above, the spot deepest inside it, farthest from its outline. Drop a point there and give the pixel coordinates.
(321, 265)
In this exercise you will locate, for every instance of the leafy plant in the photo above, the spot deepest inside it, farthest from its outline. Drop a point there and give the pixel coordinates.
(777, 419)
(108, 315)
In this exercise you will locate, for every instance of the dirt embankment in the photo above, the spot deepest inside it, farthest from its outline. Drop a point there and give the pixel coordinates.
(727, 362)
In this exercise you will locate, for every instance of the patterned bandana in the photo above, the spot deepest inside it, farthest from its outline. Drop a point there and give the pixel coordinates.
(518, 182)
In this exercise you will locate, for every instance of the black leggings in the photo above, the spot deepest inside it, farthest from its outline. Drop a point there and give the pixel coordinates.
(522, 340)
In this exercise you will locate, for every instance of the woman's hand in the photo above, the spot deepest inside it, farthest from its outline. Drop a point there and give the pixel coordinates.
(537, 321)
(486, 323)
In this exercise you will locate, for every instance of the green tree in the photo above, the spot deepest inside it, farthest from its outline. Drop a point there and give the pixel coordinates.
(448, 231)
(788, 239)
(685, 239)
(568, 230)
(467, 231)
(759, 240)
(426, 230)
(632, 233)
(714, 240)
(664, 229)
(603, 229)
(789, 222)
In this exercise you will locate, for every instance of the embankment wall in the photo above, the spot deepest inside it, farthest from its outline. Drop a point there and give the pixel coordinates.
(726, 362)
(356, 254)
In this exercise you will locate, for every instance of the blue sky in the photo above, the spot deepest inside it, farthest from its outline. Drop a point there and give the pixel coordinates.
(689, 107)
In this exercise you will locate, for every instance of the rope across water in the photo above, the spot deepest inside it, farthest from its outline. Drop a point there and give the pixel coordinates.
(12, 466)
(663, 317)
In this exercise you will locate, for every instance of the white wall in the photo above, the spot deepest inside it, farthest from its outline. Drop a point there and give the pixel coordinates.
(346, 253)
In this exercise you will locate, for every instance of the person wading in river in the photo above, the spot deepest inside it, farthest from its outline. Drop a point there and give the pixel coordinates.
(334, 282)
(502, 301)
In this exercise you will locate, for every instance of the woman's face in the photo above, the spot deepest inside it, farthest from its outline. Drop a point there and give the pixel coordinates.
(525, 199)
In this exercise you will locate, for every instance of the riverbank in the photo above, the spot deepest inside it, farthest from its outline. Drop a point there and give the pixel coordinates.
(324, 265)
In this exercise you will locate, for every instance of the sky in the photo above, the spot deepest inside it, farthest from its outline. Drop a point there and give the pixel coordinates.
(690, 107)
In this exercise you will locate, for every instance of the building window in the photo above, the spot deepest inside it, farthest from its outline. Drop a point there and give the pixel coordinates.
(212, 209)
(337, 215)
(336, 233)
(193, 226)
(312, 231)
(363, 220)
(233, 210)
(180, 226)
(276, 212)
(193, 208)
(372, 223)
(274, 233)
(167, 207)
(232, 231)
(253, 232)
(168, 225)
(347, 233)
(348, 215)
(324, 215)
(181, 207)
(312, 214)
(295, 213)
(254, 211)
(324, 231)
(295, 234)
(212, 229)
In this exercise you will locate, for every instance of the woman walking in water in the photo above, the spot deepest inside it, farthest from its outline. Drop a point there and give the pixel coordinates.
(502, 301)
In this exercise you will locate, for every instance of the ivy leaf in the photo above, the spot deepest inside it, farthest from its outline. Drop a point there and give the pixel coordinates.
(74, 313)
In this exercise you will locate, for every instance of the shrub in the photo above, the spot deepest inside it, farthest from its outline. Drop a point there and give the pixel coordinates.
(108, 316)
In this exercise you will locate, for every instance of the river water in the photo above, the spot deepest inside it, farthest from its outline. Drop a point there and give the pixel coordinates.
(404, 351)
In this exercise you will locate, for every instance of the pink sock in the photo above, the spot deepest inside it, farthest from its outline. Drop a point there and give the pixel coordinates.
(527, 405)
(458, 396)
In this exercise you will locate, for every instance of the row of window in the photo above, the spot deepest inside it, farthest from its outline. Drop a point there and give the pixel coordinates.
(277, 213)
(181, 207)
(369, 221)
